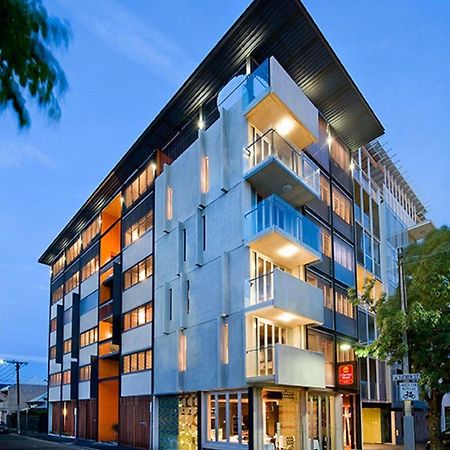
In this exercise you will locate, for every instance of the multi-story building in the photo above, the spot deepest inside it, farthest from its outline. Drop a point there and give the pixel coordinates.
(199, 296)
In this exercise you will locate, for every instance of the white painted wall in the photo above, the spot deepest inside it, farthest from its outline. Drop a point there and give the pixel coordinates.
(89, 285)
(136, 384)
(89, 320)
(137, 295)
(138, 250)
(85, 354)
(84, 390)
(137, 339)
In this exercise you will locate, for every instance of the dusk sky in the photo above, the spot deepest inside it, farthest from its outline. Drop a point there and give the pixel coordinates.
(127, 58)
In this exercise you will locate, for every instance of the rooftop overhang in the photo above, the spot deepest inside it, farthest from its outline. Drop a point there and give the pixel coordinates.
(279, 28)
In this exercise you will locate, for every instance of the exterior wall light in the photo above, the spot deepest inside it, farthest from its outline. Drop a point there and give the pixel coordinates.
(345, 346)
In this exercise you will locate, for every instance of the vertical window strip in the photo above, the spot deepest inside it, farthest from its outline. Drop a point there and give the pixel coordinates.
(169, 203)
(182, 350)
(204, 232)
(205, 175)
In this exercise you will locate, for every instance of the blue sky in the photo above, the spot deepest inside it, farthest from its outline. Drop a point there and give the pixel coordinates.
(126, 60)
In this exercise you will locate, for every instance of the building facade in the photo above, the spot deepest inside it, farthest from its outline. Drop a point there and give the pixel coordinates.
(199, 297)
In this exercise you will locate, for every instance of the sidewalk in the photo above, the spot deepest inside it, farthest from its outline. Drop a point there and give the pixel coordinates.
(77, 443)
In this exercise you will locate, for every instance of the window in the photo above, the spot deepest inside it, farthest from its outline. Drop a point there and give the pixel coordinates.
(67, 318)
(66, 377)
(343, 254)
(322, 343)
(90, 232)
(53, 324)
(325, 286)
(57, 294)
(225, 354)
(340, 154)
(58, 265)
(137, 229)
(343, 304)
(73, 251)
(52, 353)
(228, 417)
(205, 175)
(188, 296)
(139, 272)
(88, 303)
(204, 232)
(72, 282)
(89, 268)
(182, 352)
(342, 205)
(67, 346)
(55, 379)
(325, 240)
(137, 317)
(85, 373)
(184, 245)
(169, 204)
(137, 362)
(139, 185)
(345, 355)
(89, 337)
(170, 304)
(325, 190)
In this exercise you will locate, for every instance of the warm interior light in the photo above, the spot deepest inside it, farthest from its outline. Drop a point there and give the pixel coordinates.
(141, 316)
(345, 346)
(134, 235)
(285, 126)
(201, 124)
(352, 165)
(142, 275)
(285, 317)
(288, 251)
(64, 411)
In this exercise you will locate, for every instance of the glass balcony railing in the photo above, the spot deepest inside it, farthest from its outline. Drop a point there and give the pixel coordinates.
(260, 289)
(256, 84)
(273, 212)
(271, 144)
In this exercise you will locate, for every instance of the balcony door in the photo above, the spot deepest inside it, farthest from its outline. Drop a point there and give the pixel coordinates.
(267, 335)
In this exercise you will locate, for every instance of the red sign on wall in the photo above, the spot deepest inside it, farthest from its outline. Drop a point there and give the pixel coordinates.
(346, 375)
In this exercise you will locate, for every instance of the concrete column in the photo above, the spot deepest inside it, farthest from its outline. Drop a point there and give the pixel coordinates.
(224, 152)
(338, 423)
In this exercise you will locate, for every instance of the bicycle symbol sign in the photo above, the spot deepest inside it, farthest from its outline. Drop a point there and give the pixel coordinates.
(409, 391)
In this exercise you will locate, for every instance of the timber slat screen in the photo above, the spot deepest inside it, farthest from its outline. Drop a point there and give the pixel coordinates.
(135, 421)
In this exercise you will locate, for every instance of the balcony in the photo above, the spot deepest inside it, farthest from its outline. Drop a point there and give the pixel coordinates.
(272, 99)
(277, 230)
(280, 296)
(277, 167)
(282, 364)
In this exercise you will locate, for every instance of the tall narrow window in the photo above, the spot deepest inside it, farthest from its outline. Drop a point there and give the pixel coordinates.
(205, 175)
(170, 304)
(225, 343)
(204, 232)
(188, 296)
(182, 349)
(169, 204)
(184, 245)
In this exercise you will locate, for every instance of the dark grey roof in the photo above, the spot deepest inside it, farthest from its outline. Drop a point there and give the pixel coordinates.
(279, 28)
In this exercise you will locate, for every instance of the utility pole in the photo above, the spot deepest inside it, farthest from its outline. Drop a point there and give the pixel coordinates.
(17, 365)
(408, 419)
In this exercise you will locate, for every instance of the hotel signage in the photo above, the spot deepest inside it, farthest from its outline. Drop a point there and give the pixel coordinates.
(347, 374)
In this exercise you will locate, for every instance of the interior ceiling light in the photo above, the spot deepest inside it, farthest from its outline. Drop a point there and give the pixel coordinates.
(285, 317)
(285, 126)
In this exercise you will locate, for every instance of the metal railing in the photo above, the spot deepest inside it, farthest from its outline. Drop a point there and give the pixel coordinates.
(260, 361)
(275, 212)
(272, 144)
(260, 289)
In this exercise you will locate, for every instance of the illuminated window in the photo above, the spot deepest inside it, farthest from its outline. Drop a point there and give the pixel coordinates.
(72, 282)
(90, 232)
(343, 304)
(58, 266)
(53, 325)
(137, 362)
(67, 346)
(137, 317)
(73, 251)
(325, 238)
(66, 377)
(205, 175)
(225, 343)
(85, 373)
(325, 286)
(89, 268)
(343, 254)
(139, 185)
(136, 230)
(342, 206)
(139, 272)
(58, 293)
(55, 379)
(324, 190)
(52, 353)
(340, 154)
(227, 417)
(182, 350)
(169, 203)
(89, 337)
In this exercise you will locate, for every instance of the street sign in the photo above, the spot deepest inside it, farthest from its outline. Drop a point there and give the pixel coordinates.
(409, 391)
(409, 377)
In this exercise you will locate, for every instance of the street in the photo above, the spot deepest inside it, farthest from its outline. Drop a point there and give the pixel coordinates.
(12, 442)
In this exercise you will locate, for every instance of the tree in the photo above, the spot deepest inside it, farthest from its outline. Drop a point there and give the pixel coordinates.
(27, 66)
(426, 321)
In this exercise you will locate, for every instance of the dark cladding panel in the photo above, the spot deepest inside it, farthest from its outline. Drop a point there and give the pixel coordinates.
(94, 377)
(117, 304)
(59, 333)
